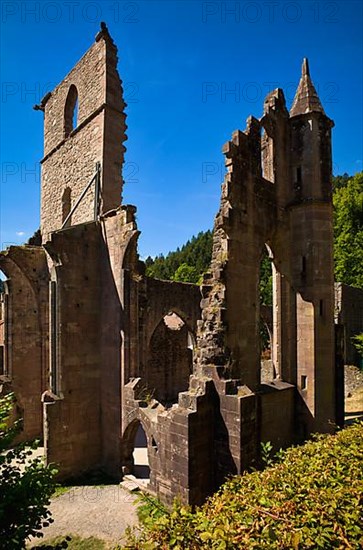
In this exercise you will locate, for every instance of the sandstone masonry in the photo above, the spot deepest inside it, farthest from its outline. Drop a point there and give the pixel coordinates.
(94, 349)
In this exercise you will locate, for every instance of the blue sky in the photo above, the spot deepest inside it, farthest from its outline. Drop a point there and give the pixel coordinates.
(193, 71)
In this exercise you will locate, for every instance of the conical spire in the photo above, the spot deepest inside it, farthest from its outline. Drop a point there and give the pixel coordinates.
(306, 98)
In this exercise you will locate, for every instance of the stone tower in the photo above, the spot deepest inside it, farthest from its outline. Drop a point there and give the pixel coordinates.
(83, 121)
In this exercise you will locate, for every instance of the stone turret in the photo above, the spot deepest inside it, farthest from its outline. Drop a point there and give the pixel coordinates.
(311, 227)
(306, 98)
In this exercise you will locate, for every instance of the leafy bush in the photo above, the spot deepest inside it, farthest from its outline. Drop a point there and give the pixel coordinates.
(311, 498)
(358, 343)
(25, 486)
(149, 509)
(348, 231)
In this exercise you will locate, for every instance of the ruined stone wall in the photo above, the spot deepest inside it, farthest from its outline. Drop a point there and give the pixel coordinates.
(180, 441)
(229, 331)
(163, 297)
(26, 334)
(68, 167)
(157, 299)
(70, 158)
(277, 414)
(73, 406)
(119, 320)
(2, 335)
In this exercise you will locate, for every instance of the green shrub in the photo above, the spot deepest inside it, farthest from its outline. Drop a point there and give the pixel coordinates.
(311, 498)
(358, 343)
(25, 486)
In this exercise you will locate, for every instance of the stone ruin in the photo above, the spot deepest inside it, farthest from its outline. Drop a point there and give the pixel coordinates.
(94, 349)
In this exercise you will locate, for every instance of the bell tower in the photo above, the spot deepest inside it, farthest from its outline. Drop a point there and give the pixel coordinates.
(84, 131)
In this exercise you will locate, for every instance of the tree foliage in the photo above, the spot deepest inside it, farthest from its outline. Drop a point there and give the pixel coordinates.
(186, 274)
(358, 343)
(348, 230)
(266, 280)
(310, 498)
(25, 486)
(35, 239)
(195, 254)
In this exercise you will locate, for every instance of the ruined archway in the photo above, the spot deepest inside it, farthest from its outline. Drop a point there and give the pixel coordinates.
(266, 293)
(170, 359)
(135, 452)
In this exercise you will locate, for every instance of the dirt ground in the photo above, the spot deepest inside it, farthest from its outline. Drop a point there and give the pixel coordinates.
(354, 406)
(103, 512)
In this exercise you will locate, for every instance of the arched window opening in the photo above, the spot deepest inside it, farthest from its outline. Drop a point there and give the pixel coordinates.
(66, 205)
(71, 111)
(5, 326)
(267, 157)
(170, 359)
(191, 341)
(54, 340)
(267, 370)
(3, 300)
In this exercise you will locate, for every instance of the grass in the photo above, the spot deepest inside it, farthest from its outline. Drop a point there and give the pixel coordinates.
(60, 490)
(75, 543)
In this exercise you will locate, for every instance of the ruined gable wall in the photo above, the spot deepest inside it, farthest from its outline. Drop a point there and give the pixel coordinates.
(68, 168)
(69, 161)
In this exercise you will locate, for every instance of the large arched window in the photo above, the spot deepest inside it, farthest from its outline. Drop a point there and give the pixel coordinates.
(170, 360)
(71, 111)
(3, 320)
(266, 298)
